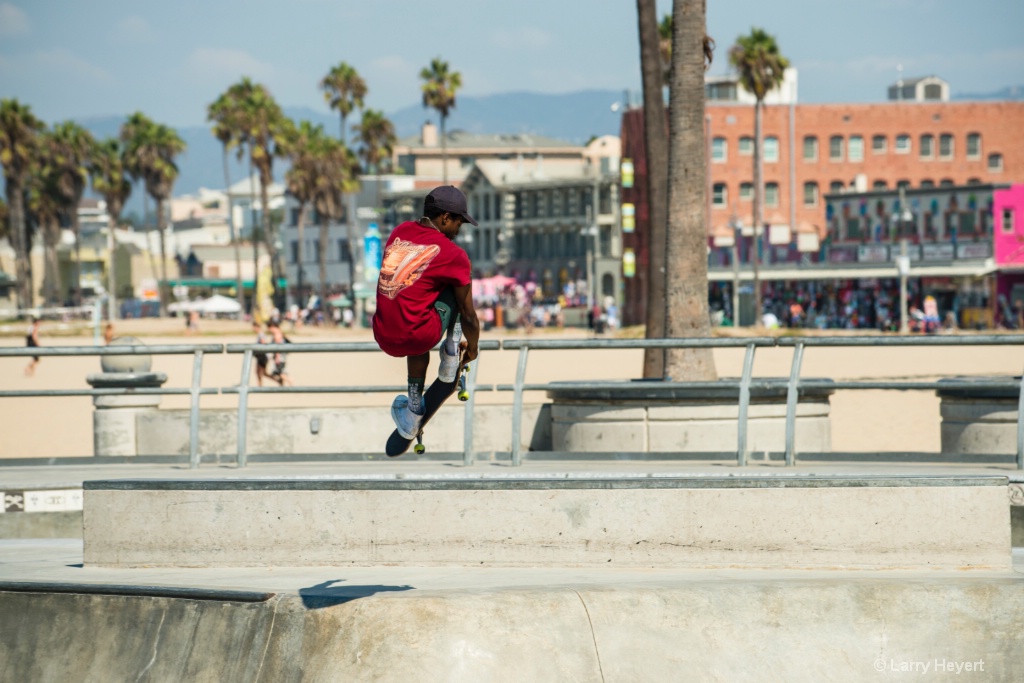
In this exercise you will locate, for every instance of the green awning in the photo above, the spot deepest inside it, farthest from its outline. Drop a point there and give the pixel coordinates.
(213, 283)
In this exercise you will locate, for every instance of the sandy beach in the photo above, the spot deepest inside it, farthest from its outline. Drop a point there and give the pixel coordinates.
(870, 421)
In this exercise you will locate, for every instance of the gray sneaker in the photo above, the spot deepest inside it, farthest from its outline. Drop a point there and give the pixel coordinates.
(449, 368)
(406, 421)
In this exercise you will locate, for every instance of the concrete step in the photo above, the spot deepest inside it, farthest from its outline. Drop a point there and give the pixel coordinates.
(868, 522)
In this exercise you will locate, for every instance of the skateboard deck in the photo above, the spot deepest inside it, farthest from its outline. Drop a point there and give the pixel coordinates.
(433, 399)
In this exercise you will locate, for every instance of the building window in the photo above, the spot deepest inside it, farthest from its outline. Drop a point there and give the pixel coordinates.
(855, 150)
(925, 184)
(719, 150)
(836, 186)
(771, 194)
(995, 162)
(879, 144)
(927, 146)
(903, 144)
(771, 149)
(498, 199)
(974, 146)
(879, 185)
(945, 146)
(343, 255)
(810, 148)
(903, 184)
(835, 148)
(295, 251)
(974, 181)
(746, 146)
(746, 192)
(947, 182)
(810, 194)
(720, 195)
(1006, 221)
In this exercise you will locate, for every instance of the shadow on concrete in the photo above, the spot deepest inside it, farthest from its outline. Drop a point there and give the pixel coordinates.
(327, 595)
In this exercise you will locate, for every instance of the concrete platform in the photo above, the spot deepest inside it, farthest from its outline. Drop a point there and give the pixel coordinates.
(544, 521)
(61, 621)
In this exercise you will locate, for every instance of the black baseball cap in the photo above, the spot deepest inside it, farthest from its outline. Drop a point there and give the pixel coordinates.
(450, 199)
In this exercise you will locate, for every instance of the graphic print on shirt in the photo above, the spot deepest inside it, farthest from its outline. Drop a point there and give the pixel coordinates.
(403, 264)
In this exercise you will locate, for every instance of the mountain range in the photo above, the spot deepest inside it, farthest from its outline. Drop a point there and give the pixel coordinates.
(573, 117)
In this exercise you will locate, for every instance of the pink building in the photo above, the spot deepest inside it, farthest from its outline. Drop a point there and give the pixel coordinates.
(1008, 243)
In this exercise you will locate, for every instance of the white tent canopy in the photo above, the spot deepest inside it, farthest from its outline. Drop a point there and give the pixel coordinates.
(214, 305)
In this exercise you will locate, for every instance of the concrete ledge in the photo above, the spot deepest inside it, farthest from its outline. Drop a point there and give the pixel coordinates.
(782, 522)
(844, 628)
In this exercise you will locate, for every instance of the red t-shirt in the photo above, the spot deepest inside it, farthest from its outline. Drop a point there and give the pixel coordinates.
(418, 263)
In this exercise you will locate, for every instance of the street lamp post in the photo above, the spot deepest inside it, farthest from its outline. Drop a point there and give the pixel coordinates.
(735, 270)
(901, 217)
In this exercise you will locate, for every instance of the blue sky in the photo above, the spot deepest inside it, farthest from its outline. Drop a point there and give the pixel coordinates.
(169, 59)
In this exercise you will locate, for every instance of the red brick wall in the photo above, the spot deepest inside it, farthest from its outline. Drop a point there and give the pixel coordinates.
(1001, 125)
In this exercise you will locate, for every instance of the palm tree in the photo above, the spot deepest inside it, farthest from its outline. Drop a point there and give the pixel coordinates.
(336, 174)
(266, 132)
(150, 151)
(300, 180)
(72, 150)
(110, 179)
(46, 205)
(761, 68)
(439, 88)
(223, 114)
(344, 89)
(18, 133)
(376, 142)
(686, 287)
(656, 145)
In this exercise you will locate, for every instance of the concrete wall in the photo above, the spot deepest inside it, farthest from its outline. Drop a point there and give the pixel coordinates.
(781, 627)
(686, 427)
(978, 425)
(341, 430)
(806, 522)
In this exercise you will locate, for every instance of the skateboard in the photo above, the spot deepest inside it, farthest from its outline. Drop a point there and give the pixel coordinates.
(433, 399)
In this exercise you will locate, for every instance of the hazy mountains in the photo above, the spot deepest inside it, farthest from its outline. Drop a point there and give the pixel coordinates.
(574, 117)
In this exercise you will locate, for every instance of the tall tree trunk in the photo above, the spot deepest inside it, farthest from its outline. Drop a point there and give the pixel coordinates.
(147, 229)
(687, 283)
(324, 232)
(22, 248)
(239, 292)
(51, 276)
(270, 240)
(78, 254)
(163, 255)
(755, 257)
(656, 145)
(111, 276)
(255, 242)
(444, 152)
(301, 228)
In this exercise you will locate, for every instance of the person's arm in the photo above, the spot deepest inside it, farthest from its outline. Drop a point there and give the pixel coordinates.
(470, 323)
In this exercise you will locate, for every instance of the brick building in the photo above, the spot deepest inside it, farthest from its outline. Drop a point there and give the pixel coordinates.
(811, 150)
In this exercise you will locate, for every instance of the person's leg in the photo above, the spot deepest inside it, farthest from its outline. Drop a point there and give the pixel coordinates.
(417, 370)
(448, 310)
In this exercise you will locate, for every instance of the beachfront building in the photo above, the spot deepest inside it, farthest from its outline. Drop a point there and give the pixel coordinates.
(815, 151)
(424, 155)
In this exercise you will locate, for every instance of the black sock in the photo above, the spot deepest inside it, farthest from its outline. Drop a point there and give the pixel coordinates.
(416, 394)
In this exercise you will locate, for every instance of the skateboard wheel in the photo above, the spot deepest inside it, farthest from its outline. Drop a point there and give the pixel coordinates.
(419, 449)
(463, 395)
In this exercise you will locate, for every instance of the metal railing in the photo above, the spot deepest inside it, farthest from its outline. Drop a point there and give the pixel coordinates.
(742, 387)
(194, 391)
(243, 389)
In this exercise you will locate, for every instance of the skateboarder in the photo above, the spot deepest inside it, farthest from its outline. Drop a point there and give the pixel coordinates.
(424, 293)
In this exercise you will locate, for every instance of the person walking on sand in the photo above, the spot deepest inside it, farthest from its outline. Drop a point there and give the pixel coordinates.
(424, 294)
(261, 358)
(32, 341)
(278, 373)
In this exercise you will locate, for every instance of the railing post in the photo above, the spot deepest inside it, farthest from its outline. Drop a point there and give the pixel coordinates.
(1020, 426)
(243, 406)
(792, 392)
(468, 454)
(193, 425)
(517, 408)
(742, 449)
